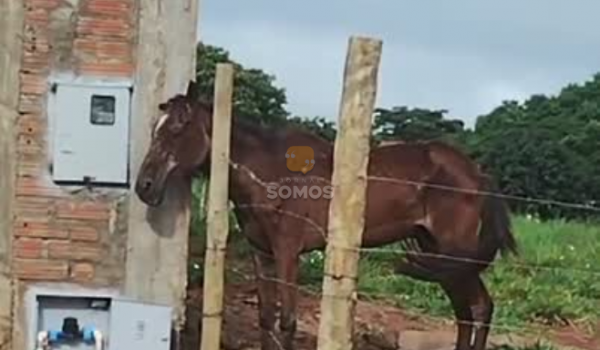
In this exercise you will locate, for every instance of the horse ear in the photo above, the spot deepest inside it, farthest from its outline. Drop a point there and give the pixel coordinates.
(192, 90)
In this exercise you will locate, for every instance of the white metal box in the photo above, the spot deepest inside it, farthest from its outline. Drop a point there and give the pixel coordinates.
(90, 132)
(136, 325)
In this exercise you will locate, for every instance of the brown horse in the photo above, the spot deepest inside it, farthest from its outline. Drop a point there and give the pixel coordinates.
(407, 200)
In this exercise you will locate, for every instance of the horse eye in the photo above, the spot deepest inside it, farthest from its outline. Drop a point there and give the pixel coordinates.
(312, 161)
(287, 155)
(306, 161)
(293, 155)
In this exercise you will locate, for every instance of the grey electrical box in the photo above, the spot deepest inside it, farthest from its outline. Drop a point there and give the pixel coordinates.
(134, 325)
(121, 324)
(90, 138)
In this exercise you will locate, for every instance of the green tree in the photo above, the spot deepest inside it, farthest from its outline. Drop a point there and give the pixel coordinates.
(412, 124)
(547, 147)
(255, 96)
(529, 163)
(317, 125)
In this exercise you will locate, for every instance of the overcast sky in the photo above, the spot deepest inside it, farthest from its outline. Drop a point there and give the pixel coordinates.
(462, 55)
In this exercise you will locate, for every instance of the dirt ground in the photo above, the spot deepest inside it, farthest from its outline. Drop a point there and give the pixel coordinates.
(379, 327)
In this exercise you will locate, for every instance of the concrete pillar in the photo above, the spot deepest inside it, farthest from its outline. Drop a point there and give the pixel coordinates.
(158, 238)
(11, 28)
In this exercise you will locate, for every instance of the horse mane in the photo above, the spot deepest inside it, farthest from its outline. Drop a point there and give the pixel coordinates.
(268, 132)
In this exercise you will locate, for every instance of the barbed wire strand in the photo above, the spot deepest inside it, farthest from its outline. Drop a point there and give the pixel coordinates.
(422, 184)
(439, 256)
(322, 231)
(253, 176)
(525, 327)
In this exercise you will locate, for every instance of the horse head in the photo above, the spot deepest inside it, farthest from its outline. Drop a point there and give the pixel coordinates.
(179, 144)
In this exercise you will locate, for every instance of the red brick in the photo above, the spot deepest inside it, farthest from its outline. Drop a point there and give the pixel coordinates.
(33, 84)
(107, 69)
(34, 209)
(42, 4)
(34, 35)
(41, 269)
(37, 46)
(99, 49)
(29, 103)
(31, 170)
(36, 187)
(29, 248)
(83, 233)
(32, 164)
(30, 148)
(30, 153)
(74, 251)
(82, 272)
(35, 27)
(31, 157)
(104, 27)
(83, 210)
(32, 125)
(25, 228)
(36, 63)
(112, 8)
(37, 15)
(30, 143)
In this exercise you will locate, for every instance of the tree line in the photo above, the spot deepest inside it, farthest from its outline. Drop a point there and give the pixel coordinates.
(546, 147)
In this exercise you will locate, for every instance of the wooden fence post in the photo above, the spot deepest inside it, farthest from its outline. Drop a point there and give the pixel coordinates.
(217, 215)
(347, 207)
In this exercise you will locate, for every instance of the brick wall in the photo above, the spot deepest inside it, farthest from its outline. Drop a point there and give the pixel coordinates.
(67, 234)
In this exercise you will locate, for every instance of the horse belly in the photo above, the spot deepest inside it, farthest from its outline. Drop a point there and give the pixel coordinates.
(390, 217)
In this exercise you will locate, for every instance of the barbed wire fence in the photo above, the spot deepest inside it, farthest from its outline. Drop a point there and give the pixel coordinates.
(532, 329)
(217, 232)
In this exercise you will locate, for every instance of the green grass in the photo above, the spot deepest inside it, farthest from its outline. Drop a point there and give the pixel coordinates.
(522, 294)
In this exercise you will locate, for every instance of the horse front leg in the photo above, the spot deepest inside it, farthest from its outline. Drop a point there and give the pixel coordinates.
(287, 273)
(264, 267)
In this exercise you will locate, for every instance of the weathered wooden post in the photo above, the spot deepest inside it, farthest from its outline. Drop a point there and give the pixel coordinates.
(349, 179)
(217, 215)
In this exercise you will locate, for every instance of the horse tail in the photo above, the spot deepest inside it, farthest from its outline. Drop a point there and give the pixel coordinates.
(495, 232)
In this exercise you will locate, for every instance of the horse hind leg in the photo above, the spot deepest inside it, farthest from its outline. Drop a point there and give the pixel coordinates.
(462, 311)
(414, 270)
(287, 274)
(482, 308)
(471, 302)
(473, 308)
(420, 255)
(264, 266)
(412, 265)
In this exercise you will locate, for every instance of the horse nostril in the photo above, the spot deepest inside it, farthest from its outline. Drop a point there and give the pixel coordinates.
(147, 184)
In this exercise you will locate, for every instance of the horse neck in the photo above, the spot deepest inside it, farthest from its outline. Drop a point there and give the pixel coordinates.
(250, 156)
(257, 156)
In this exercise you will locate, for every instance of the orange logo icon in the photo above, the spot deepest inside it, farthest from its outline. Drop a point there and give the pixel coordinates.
(300, 158)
